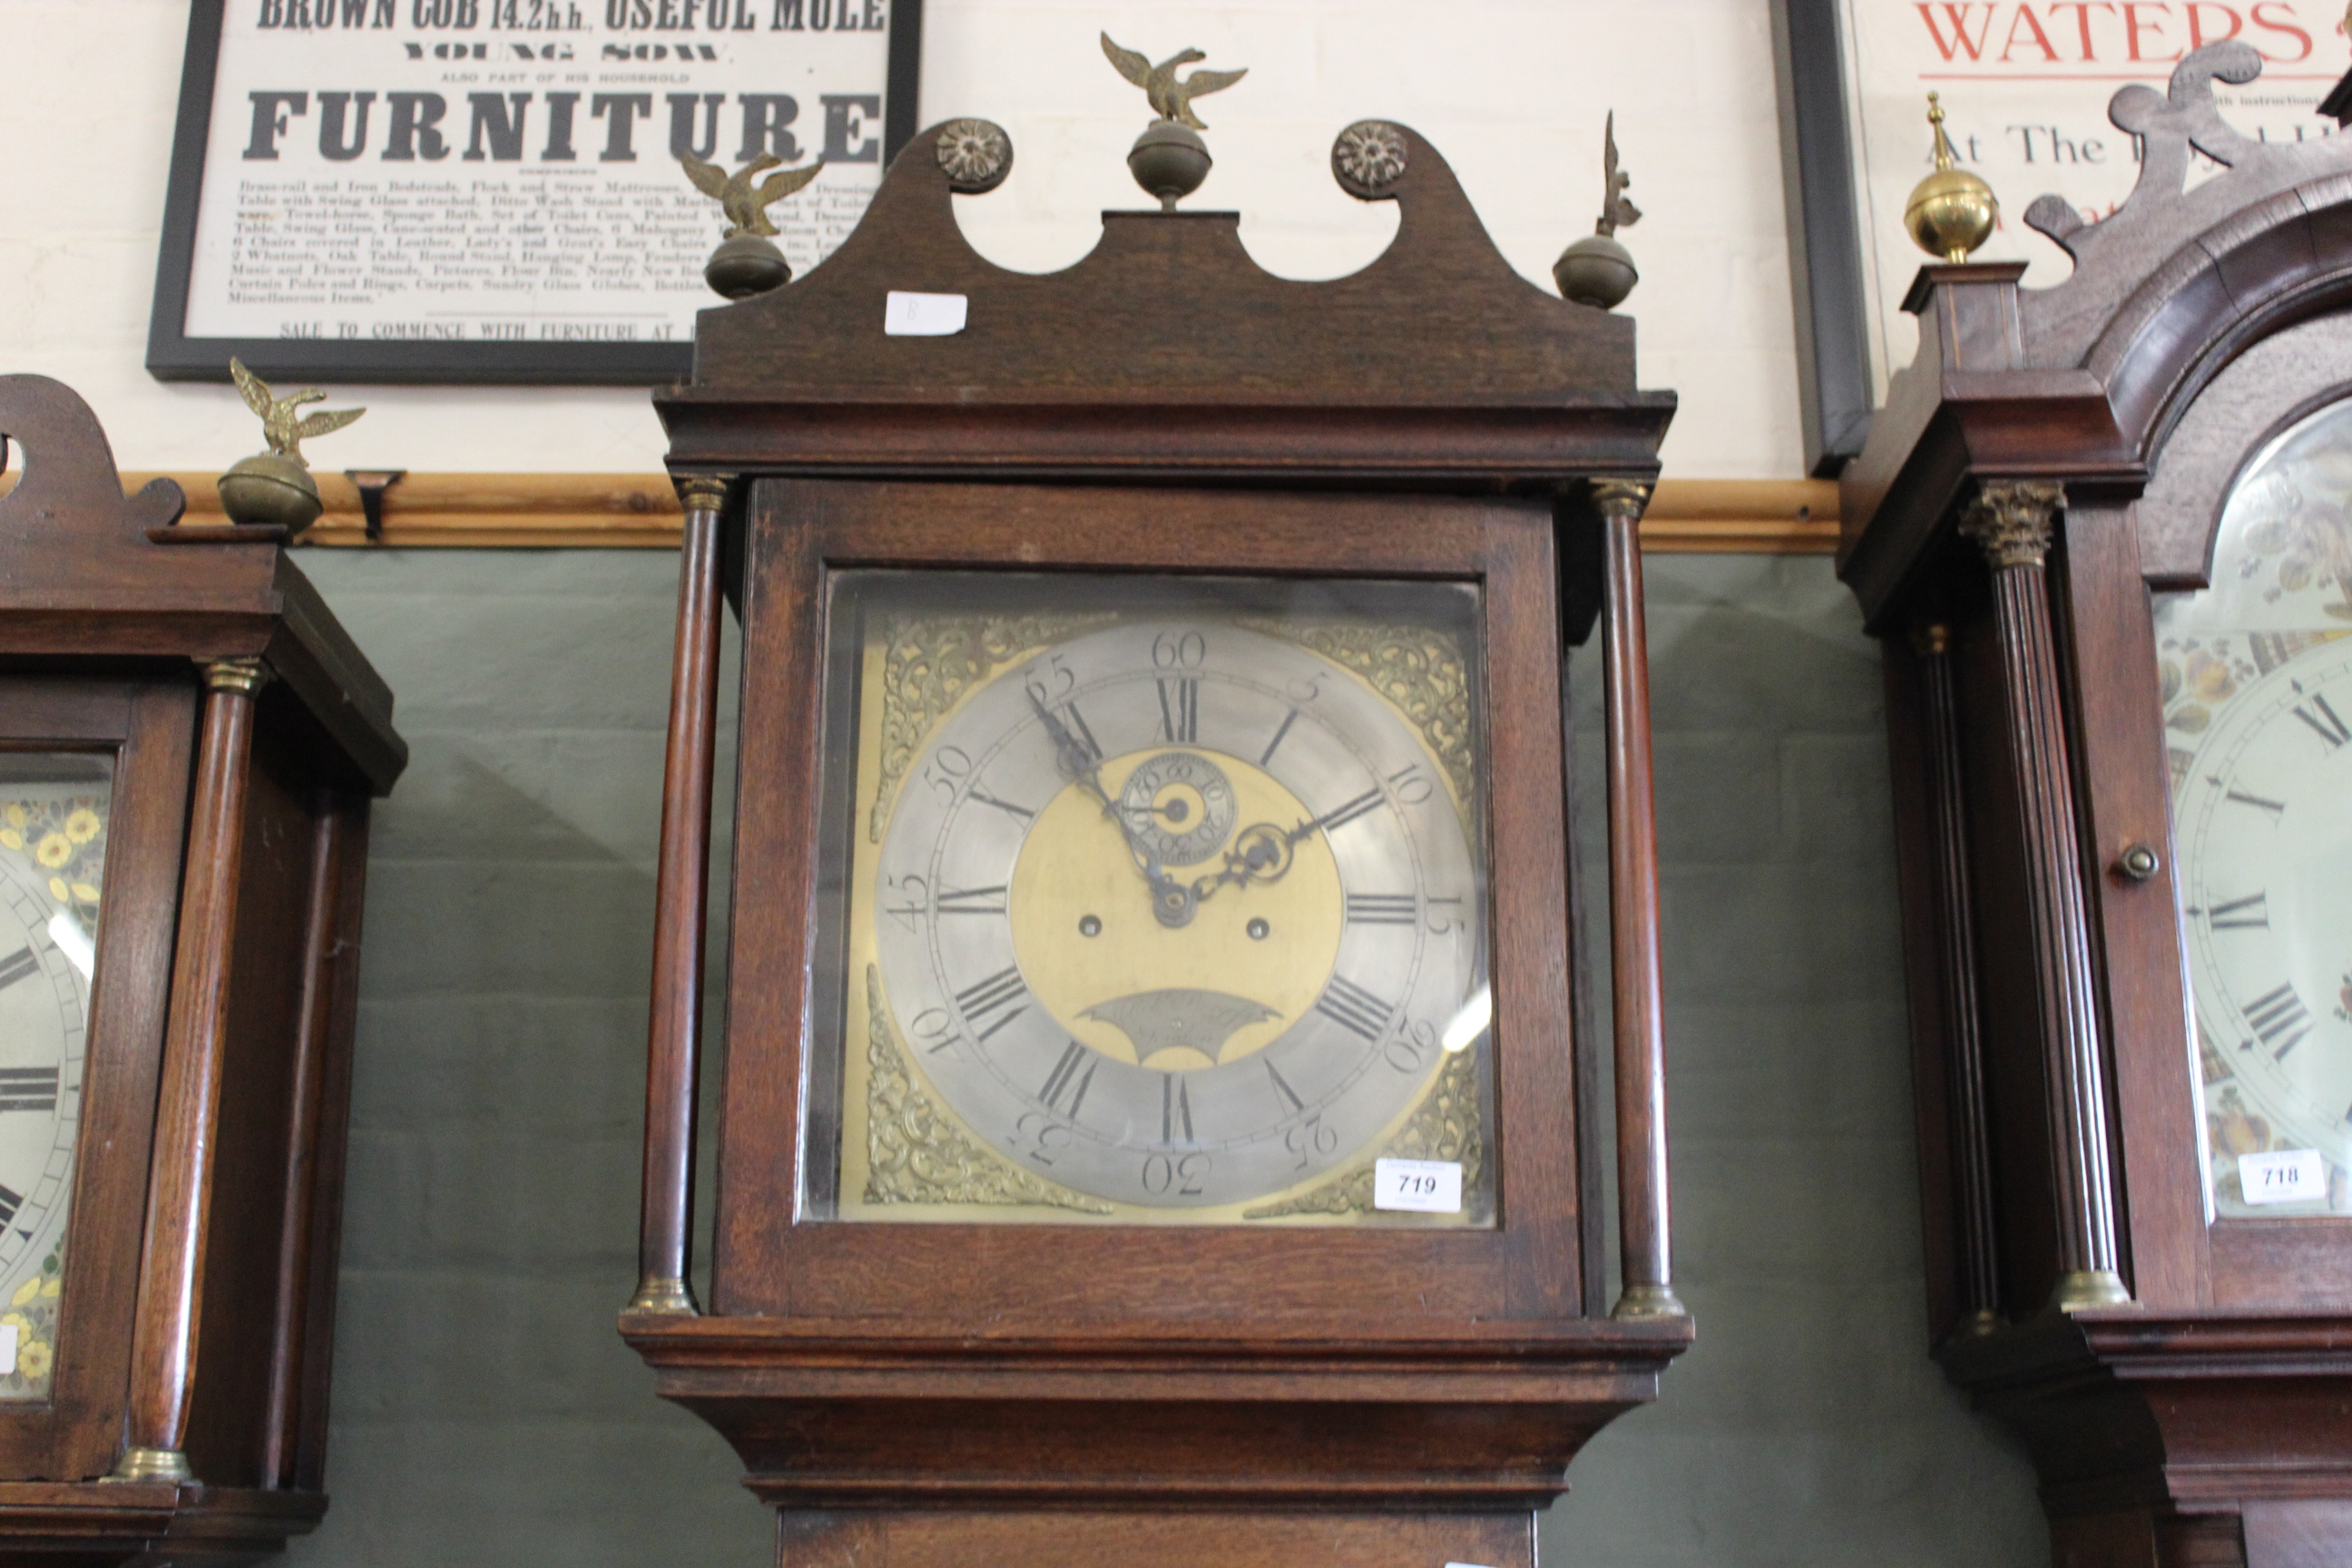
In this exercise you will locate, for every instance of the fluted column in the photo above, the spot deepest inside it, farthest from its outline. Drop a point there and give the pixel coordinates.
(1955, 956)
(2012, 521)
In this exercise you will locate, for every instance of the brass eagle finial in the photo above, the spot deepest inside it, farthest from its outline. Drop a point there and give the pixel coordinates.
(1617, 209)
(1171, 98)
(745, 206)
(285, 432)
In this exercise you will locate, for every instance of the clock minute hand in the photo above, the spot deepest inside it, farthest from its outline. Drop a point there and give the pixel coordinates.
(1077, 763)
(1170, 899)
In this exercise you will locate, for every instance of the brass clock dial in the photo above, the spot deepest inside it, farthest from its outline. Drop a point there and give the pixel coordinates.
(53, 816)
(1174, 916)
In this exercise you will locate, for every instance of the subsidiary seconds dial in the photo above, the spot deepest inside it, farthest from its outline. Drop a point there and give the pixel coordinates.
(1177, 914)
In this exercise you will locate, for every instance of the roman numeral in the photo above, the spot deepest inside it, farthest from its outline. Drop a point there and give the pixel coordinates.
(1081, 732)
(2278, 1013)
(1290, 1095)
(1342, 815)
(1175, 1108)
(2250, 913)
(10, 1202)
(18, 966)
(1067, 1075)
(2277, 808)
(1280, 731)
(1355, 1008)
(1022, 812)
(1180, 708)
(971, 900)
(982, 997)
(1382, 908)
(2324, 723)
(28, 1089)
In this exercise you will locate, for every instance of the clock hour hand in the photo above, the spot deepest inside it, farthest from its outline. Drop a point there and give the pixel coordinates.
(1260, 853)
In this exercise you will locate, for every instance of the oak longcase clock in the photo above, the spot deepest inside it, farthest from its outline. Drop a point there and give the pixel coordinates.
(188, 746)
(2105, 532)
(1158, 1108)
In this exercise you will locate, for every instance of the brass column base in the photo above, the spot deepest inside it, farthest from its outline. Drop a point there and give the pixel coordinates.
(1978, 1325)
(151, 1465)
(674, 1297)
(2089, 1288)
(1643, 1301)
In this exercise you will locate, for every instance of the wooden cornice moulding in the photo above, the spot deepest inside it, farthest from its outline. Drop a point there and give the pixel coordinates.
(640, 511)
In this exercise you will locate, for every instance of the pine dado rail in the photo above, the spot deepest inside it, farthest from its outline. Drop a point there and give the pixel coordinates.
(641, 511)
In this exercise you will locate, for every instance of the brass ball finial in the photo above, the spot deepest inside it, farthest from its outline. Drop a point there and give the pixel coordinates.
(1952, 211)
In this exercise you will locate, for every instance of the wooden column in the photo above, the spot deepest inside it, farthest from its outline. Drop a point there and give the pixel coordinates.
(681, 912)
(1637, 983)
(2011, 521)
(171, 1254)
(322, 938)
(1955, 956)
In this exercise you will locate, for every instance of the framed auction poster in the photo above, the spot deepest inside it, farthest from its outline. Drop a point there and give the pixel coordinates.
(2025, 86)
(489, 190)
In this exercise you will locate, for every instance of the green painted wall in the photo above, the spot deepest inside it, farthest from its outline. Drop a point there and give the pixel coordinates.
(486, 1413)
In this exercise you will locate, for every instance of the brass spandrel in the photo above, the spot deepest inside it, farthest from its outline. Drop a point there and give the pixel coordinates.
(1446, 1125)
(932, 662)
(1420, 671)
(915, 1152)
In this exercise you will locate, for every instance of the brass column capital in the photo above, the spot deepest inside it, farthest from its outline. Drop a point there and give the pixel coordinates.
(1620, 498)
(2012, 521)
(246, 675)
(704, 491)
(1931, 638)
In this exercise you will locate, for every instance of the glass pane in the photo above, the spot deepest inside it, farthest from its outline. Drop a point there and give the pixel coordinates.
(1163, 901)
(2257, 679)
(53, 817)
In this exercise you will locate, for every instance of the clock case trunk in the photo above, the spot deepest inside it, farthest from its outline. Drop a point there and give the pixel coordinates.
(2201, 1420)
(967, 1395)
(198, 1301)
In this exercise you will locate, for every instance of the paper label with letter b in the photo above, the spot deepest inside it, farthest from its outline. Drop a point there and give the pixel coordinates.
(907, 315)
(1422, 1186)
(2282, 1176)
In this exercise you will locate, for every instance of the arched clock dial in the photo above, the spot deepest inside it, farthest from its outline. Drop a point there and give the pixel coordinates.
(1177, 914)
(2266, 837)
(52, 852)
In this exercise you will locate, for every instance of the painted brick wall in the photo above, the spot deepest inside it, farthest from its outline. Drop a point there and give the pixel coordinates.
(487, 1413)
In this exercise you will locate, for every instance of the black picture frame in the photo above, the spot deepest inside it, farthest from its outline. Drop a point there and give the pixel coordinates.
(173, 355)
(1824, 237)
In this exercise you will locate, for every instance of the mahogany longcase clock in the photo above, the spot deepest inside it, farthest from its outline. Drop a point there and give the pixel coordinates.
(1158, 1113)
(188, 746)
(2104, 529)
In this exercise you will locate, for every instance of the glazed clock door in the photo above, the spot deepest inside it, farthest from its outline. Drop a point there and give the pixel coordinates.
(2257, 681)
(93, 780)
(1143, 907)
